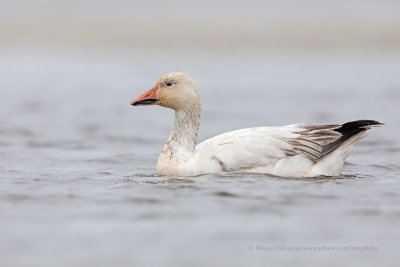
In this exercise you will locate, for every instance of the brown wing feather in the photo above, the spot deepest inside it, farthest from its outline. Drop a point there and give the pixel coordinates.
(317, 141)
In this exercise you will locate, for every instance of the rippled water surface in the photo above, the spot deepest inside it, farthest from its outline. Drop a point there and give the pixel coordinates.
(77, 162)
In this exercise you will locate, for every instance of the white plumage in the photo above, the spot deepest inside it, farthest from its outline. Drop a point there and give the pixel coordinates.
(294, 150)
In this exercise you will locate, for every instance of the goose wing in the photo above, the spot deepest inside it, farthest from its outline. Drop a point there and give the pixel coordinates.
(266, 147)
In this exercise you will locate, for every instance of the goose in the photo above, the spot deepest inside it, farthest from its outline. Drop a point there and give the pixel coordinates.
(296, 150)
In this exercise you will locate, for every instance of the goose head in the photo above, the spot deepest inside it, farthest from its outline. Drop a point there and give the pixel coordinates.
(174, 90)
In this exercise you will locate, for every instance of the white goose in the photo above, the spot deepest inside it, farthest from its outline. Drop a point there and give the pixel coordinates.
(293, 150)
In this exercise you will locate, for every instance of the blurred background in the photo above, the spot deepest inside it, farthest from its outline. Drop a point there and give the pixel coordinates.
(77, 162)
(191, 25)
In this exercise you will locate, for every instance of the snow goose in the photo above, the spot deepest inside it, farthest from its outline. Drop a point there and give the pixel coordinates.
(294, 150)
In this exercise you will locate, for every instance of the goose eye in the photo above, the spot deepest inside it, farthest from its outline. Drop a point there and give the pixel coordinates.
(169, 83)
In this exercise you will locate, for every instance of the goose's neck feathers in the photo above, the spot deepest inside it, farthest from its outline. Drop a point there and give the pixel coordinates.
(183, 138)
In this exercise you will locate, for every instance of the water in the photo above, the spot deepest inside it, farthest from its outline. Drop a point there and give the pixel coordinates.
(77, 162)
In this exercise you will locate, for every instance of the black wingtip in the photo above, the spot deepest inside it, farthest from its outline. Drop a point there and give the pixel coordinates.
(360, 125)
(348, 130)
